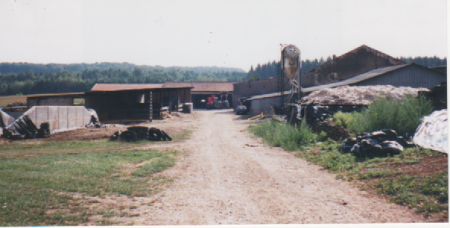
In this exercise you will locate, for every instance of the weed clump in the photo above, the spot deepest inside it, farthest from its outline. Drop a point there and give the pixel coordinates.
(342, 118)
(284, 135)
(388, 113)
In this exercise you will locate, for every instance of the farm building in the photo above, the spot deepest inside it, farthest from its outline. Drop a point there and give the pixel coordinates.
(65, 99)
(202, 90)
(442, 69)
(406, 75)
(265, 86)
(259, 102)
(350, 64)
(135, 102)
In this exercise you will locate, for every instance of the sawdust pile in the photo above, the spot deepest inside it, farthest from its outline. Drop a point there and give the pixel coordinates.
(357, 95)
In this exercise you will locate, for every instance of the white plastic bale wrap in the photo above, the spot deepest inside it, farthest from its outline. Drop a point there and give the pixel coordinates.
(432, 132)
(5, 119)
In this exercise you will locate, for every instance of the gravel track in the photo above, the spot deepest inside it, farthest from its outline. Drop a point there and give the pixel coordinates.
(229, 177)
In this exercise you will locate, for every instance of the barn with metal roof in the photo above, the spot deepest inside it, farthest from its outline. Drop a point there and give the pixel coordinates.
(203, 90)
(404, 75)
(407, 75)
(122, 103)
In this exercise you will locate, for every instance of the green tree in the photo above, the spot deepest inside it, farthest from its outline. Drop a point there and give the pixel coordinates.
(254, 77)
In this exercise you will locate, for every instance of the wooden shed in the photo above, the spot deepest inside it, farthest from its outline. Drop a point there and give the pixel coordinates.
(122, 103)
(64, 99)
(203, 90)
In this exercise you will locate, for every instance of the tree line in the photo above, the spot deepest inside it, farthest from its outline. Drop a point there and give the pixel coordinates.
(80, 67)
(27, 78)
(73, 81)
(270, 69)
(426, 61)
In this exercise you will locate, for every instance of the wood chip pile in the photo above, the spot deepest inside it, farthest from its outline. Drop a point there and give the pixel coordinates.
(357, 95)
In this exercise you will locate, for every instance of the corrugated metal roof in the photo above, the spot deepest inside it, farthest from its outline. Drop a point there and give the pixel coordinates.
(358, 78)
(203, 86)
(119, 87)
(353, 80)
(267, 95)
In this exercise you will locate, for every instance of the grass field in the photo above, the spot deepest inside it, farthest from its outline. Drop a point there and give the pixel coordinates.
(416, 178)
(38, 177)
(10, 99)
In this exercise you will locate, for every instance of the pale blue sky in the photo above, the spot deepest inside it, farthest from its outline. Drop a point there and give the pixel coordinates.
(215, 33)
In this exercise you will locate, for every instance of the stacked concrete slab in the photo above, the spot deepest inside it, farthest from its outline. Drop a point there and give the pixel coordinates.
(60, 117)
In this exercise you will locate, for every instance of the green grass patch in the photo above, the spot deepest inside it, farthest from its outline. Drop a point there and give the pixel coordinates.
(283, 135)
(34, 182)
(158, 164)
(427, 194)
(183, 136)
(35, 148)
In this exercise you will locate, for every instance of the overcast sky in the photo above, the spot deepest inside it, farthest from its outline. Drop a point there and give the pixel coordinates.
(215, 33)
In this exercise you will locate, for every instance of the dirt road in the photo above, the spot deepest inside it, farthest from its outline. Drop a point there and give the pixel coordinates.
(229, 177)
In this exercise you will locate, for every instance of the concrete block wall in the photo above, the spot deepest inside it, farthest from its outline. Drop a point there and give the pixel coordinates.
(60, 117)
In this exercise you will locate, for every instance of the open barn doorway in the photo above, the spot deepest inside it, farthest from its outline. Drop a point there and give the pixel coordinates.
(200, 100)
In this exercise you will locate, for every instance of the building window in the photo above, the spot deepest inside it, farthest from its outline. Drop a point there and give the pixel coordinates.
(141, 98)
(78, 101)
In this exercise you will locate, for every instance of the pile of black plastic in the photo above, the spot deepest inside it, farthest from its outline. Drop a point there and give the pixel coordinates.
(375, 144)
(140, 133)
(24, 128)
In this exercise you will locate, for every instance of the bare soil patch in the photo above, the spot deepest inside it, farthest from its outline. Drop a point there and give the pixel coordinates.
(428, 166)
(172, 126)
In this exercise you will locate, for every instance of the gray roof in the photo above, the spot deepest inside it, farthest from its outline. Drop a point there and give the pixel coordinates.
(358, 78)
(267, 95)
(352, 80)
(349, 81)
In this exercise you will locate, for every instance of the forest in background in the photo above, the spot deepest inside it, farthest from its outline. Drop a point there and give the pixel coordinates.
(72, 81)
(27, 78)
(80, 67)
(270, 69)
